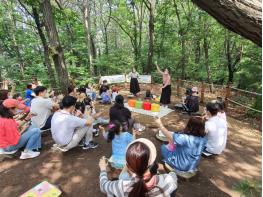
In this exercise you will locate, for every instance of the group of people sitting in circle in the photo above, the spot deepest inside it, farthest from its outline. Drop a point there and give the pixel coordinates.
(72, 119)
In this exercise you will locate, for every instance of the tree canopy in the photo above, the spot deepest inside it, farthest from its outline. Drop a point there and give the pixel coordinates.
(60, 40)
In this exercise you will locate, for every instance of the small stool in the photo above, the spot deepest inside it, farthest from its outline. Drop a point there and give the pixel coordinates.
(147, 106)
(138, 104)
(155, 107)
(131, 103)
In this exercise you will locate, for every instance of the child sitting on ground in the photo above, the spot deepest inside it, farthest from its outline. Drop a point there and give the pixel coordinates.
(104, 87)
(99, 120)
(120, 140)
(105, 97)
(115, 92)
(221, 112)
(90, 92)
(148, 95)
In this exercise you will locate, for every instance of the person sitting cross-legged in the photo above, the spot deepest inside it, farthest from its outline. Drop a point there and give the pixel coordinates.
(185, 153)
(120, 113)
(41, 108)
(143, 169)
(120, 139)
(68, 130)
(216, 130)
(15, 135)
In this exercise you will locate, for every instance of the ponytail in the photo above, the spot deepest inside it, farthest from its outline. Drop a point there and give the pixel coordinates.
(139, 189)
(114, 129)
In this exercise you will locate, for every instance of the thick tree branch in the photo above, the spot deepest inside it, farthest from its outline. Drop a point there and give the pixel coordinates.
(123, 29)
(240, 16)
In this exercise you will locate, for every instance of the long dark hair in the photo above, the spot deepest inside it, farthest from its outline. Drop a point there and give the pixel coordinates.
(137, 157)
(195, 127)
(114, 129)
(5, 112)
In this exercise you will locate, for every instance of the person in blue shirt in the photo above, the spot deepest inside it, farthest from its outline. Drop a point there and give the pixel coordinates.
(188, 145)
(28, 94)
(120, 140)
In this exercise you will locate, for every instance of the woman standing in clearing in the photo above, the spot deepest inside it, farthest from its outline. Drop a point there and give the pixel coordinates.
(134, 84)
(166, 88)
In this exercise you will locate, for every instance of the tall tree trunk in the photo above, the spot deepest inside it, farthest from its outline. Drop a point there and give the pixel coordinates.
(135, 36)
(181, 33)
(87, 25)
(160, 50)
(47, 62)
(55, 48)
(106, 41)
(140, 32)
(242, 17)
(151, 7)
(14, 40)
(206, 50)
(208, 69)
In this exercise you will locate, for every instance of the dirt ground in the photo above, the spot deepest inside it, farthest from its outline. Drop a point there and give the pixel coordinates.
(76, 172)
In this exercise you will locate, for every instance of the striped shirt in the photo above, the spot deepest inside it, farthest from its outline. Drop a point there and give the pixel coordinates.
(166, 184)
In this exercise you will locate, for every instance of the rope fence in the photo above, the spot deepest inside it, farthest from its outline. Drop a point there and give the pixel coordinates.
(244, 106)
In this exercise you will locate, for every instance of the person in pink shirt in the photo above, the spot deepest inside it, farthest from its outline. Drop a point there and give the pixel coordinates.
(15, 135)
(166, 88)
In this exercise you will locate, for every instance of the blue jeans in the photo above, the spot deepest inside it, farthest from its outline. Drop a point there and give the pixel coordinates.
(30, 140)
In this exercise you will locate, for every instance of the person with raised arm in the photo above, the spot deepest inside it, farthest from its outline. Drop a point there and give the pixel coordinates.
(166, 88)
(185, 148)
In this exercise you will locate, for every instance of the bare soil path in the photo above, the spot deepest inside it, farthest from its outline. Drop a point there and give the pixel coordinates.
(76, 172)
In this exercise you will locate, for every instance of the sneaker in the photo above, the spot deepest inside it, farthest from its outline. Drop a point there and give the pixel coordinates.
(96, 132)
(2, 152)
(29, 154)
(61, 149)
(91, 145)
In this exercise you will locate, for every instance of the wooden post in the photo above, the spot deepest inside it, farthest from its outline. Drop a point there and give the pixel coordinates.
(178, 89)
(13, 89)
(260, 123)
(202, 99)
(228, 94)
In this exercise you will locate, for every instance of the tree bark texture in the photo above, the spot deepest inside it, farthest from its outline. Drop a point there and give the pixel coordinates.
(240, 16)
(87, 25)
(55, 49)
(150, 4)
(47, 62)
(14, 40)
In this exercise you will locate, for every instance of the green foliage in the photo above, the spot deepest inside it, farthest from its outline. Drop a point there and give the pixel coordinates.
(121, 42)
(249, 188)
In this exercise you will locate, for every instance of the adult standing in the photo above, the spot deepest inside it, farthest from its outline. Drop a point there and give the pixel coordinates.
(134, 84)
(166, 88)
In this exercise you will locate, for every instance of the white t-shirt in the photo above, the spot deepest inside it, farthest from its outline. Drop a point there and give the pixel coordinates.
(216, 129)
(42, 108)
(63, 125)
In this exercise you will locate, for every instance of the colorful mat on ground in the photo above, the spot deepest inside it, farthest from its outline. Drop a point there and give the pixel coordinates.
(163, 111)
(43, 189)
